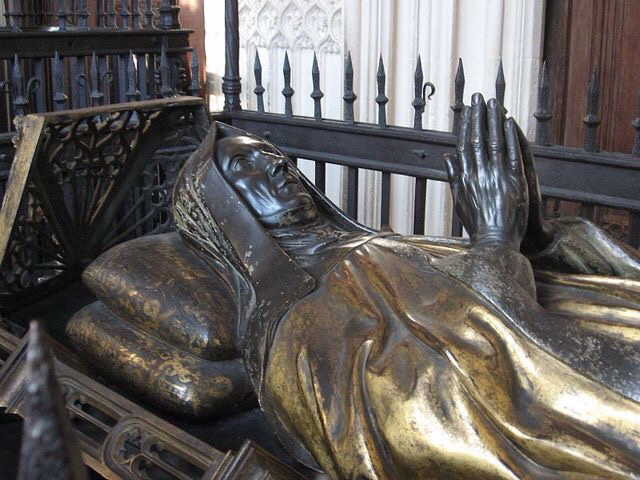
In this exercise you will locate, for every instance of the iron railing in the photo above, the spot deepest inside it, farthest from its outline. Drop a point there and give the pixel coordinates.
(595, 181)
(61, 54)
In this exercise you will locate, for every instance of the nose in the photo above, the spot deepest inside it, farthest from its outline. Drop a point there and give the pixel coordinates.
(278, 166)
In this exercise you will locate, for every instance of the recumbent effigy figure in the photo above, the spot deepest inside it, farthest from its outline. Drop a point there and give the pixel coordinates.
(382, 356)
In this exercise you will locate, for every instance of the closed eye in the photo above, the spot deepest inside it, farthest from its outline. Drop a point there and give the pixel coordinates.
(239, 162)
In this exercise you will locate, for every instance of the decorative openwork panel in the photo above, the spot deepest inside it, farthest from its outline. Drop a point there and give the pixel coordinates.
(94, 178)
(117, 438)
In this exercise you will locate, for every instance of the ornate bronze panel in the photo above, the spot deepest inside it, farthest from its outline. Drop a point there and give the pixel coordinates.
(85, 180)
(121, 440)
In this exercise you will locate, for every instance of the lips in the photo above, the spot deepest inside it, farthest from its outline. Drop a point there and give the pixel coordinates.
(287, 182)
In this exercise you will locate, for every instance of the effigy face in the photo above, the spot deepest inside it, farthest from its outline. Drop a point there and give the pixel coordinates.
(377, 355)
(261, 175)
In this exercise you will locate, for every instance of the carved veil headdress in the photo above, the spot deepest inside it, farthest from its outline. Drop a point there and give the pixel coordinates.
(213, 217)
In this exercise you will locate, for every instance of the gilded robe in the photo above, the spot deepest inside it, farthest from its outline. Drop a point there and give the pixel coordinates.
(405, 365)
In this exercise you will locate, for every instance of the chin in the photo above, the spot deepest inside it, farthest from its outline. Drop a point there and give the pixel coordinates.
(301, 212)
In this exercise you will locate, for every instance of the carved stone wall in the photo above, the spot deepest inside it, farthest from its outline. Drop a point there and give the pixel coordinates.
(292, 24)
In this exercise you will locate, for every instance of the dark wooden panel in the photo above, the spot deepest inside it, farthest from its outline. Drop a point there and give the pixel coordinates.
(583, 36)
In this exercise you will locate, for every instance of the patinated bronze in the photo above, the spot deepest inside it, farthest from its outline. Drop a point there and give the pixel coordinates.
(116, 437)
(49, 448)
(376, 355)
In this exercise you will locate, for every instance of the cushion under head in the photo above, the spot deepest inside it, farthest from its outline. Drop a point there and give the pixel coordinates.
(164, 288)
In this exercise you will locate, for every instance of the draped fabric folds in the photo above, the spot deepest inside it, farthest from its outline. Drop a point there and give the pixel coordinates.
(403, 365)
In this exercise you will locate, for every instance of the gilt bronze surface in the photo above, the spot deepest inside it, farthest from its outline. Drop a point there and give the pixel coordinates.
(376, 355)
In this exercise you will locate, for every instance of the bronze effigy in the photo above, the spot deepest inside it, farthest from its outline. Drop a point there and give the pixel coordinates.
(376, 355)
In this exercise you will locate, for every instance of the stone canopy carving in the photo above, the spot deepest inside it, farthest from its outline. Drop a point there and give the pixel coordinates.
(293, 24)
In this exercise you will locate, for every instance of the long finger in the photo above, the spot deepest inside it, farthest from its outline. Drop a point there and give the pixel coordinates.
(478, 131)
(453, 167)
(464, 149)
(495, 120)
(529, 165)
(514, 156)
(536, 209)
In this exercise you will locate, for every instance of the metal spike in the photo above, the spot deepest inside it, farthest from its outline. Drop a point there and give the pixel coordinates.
(83, 15)
(135, 14)
(63, 14)
(592, 120)
(124, 14)
(165, 73)
(259, 90)
(231, 82)
(194, 87)
(501, 84)
(59, 97)
(459, 95)
(166, 15)
(133, 93)
(14, 15)
(148, 14)
(349, 96)
(96, 95)
(49, 448)
(110, 13)
(20, 101)
(287, 91)
(381, 99)
(544, 110)
(316, 94)
(636, 124)
(419, 101)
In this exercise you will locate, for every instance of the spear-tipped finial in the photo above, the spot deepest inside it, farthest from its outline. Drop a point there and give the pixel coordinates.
(419, 101)
(194, 86)
(20, 101)
(349, 96)
(418, 75)
(59, 97)
(63, 15)
(257, 64)
(544, 110)
(382, 99)
(501, 84)
(83, 15)
(458, 105)
(286, 67)
(259, 90)
(316, 94)
(124, 14)
(133, 93)
(592, 119)
(165, 73)
(287, 91)
(49, 449)
(94, 75)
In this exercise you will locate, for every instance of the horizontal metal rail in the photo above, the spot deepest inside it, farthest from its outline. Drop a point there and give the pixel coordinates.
(34, 44)
(608, 179)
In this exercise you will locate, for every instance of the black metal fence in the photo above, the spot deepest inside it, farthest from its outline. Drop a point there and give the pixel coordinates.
(599, 185)
(62, 54)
